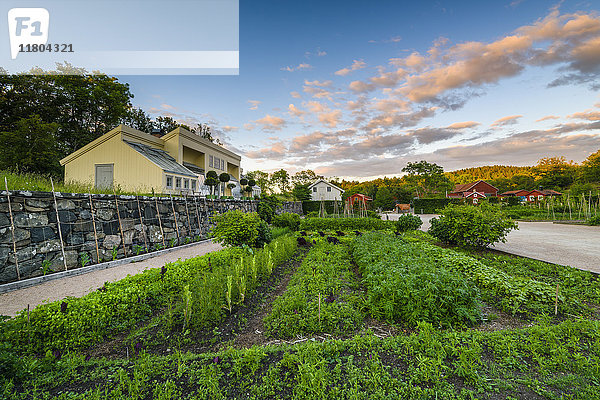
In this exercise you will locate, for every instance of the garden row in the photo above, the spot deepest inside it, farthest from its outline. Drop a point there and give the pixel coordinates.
(559, 361)
(197, 292)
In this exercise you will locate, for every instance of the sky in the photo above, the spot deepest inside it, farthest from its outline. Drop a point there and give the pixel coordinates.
(357, 89)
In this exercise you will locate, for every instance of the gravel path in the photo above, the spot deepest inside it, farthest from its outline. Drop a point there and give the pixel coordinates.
(573, 245)
(77, 286)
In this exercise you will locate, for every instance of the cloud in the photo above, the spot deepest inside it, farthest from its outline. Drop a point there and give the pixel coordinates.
(228, 128)
(504, 121)
(383, 80)
(299, 67)
(463, 125)
(547, 117)
(254, 104)
(393, 39)
(356, 65)
(277, 151)
(296, 95)
(270, 123)
(295, 111)
(318, 83)
(330, 119)
(587, 115)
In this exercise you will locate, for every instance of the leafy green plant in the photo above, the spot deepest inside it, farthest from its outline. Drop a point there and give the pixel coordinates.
(137, 249)
(287, 220)
(316, 224)
(235, 228)
(173, 242)
(114, 252)
(476, 226)
(46, 264)
(594, 220)
(84, 259)
(408, 222)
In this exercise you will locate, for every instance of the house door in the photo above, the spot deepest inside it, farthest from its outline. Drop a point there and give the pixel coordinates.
(104, 175)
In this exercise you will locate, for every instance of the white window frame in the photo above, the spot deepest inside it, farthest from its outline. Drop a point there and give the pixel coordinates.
(167, 182)
(177, 182)
(315, 189)
(186, 183)
(329, 189)
(210, 161)
(193, 185)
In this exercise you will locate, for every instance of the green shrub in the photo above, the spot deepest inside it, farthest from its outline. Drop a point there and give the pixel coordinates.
(267, 206)
(235, 228)
(264, 234)
(289, 220)
(513, 201)
(276, 232)
(594, 220)
(373, 214)
(431, 206)
(334, 224)
(408, 222)
(477, 226)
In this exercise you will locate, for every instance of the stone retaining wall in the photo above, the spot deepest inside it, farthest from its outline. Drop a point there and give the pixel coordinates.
(140, 223)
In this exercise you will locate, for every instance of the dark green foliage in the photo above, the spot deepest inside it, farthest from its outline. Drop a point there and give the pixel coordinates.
(325, 272)
(301, 192)
(236, 228)
(594, 220)
(333, 224)
(267, 207)
(264, 234)
(513, 201)
(408, 222)
(373, 214)
(384, 199)
(224, 177)
(477, 226)
(309, 206)
(405, 285)
(432, 206)
(289, 220)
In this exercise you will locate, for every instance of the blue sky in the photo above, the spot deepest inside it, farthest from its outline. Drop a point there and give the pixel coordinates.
(357, 89)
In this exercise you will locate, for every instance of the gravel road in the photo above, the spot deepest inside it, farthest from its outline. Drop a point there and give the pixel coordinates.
(13, 302)
(573, 245)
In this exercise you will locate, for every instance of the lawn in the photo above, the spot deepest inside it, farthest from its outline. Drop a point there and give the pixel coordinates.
(333, 311)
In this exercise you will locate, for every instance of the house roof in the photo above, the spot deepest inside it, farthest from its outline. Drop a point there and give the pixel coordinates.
(328, 183)
(162, 159)
(473, 193)
(360, 195)
(465, 187)
(193, 168)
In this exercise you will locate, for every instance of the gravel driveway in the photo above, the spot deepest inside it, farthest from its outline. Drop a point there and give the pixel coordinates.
(13, 302)
(574, 245)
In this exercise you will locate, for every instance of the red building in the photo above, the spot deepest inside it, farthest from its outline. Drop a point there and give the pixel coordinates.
(466, 190)
(531, 195)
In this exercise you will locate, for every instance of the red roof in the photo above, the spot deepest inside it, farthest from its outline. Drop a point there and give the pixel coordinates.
(465, 187)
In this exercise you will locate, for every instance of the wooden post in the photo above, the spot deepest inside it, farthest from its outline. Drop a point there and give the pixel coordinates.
(162, 233)
(62, 246)
(319, 309)
(94, 225)
(187, 213)
(556, 301)
(120, 225)
(197, 215)
(142, 222)
(175, 218)
(12, 230)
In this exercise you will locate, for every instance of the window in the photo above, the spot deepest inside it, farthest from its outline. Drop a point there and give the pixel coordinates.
(217, 163)
(178, 183)
(223, 165)
(193, 185)
(169, 181)
(329, 188)
(186, 183)
(540, 197)
(210, 161)
(315, 190)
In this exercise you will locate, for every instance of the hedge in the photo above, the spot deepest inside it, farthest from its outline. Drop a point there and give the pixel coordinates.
(429, 206)
(371, 224)
(308, 206)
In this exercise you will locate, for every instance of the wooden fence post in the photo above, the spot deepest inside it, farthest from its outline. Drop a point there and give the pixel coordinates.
(12, 230)
(142, 222)
(197, 216)
(187, 213)
(62, 246)
(120, 225)
(94, 225)
(162, 232)
(175, 218)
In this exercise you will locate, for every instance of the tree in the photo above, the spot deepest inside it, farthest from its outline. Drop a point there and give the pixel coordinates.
(305, 177)
(261, 179)
(384, 199)
(204, 131)
(281, 179)
(591, 168)
(31, 147)
(212, 180)
(224, 178)
(301, 192)
(554, 172)
(426, 178)
(137, 118)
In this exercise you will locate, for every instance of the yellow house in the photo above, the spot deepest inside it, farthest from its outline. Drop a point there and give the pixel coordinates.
(137, 161)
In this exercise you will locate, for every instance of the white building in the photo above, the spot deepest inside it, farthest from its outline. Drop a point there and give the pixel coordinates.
(323, 190)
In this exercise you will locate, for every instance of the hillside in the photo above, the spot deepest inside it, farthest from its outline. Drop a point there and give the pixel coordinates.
(488, 172)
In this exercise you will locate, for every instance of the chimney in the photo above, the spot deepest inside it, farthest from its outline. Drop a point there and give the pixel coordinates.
(156, 132)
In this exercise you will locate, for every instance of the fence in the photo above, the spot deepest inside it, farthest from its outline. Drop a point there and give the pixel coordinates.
(45, 232)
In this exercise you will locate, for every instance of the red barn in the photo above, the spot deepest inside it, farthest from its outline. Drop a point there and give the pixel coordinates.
(535, 195)
(463, 191)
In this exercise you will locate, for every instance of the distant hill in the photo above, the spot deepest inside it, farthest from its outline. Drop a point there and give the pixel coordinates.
(488, 172)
